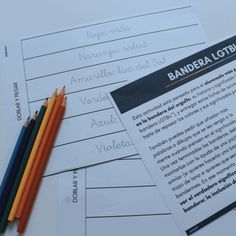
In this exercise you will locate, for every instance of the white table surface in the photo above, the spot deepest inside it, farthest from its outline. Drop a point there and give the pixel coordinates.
(19, 17)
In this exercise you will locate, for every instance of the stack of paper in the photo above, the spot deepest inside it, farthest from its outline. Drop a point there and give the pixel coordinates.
(117, 197)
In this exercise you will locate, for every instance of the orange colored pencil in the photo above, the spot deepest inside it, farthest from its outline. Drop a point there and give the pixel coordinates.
(39, 154)
(43, 163)
(33, 154)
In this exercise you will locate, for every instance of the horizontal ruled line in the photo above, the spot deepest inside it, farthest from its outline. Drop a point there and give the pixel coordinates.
(88, 113)
(115, 187)
(81, 140)
(112, 61)
(109, 41)
(72, 169)
(82, 90)
(138, 215)
(110, 21)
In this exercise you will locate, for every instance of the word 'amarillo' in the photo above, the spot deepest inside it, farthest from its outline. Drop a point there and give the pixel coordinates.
(195, 65)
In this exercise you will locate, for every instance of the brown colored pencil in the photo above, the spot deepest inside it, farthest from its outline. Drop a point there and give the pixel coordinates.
(39, 154)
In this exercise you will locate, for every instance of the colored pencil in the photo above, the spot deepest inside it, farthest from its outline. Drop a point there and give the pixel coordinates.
(25, 158)
(15, 167)
(38, 157)
(43, 163)
(34, 151)
(5, 185)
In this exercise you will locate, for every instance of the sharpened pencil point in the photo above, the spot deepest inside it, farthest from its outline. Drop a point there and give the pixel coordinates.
(26, 124)
(45, 102)
(55, 92)
(64, 102)
(63, 90)
(35, 115)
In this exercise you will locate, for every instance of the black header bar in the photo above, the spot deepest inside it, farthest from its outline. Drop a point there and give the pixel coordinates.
(211, 218)
(174, 75)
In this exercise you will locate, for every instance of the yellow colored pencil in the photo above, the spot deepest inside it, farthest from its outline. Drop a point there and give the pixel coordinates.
(32, 156)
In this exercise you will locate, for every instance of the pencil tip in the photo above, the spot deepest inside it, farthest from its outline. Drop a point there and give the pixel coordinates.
(55, 92)
(64, 101)
(63, 90)
(45, 102)
(26, 124)
(35, 115)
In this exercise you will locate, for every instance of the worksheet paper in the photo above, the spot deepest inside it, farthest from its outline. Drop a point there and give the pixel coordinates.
(91, 60)
(108, 199)
(182, 121)
(111, 199)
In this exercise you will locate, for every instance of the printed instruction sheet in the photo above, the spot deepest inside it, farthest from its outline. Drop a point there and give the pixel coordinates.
(182, 120)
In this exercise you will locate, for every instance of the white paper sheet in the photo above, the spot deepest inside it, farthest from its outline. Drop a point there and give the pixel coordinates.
(108, 206)
(122, 205)
(119, 196)
(88, 203)
(182, 121)
(90, 60)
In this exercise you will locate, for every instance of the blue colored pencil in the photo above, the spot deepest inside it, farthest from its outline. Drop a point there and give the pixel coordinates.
(13, 165)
